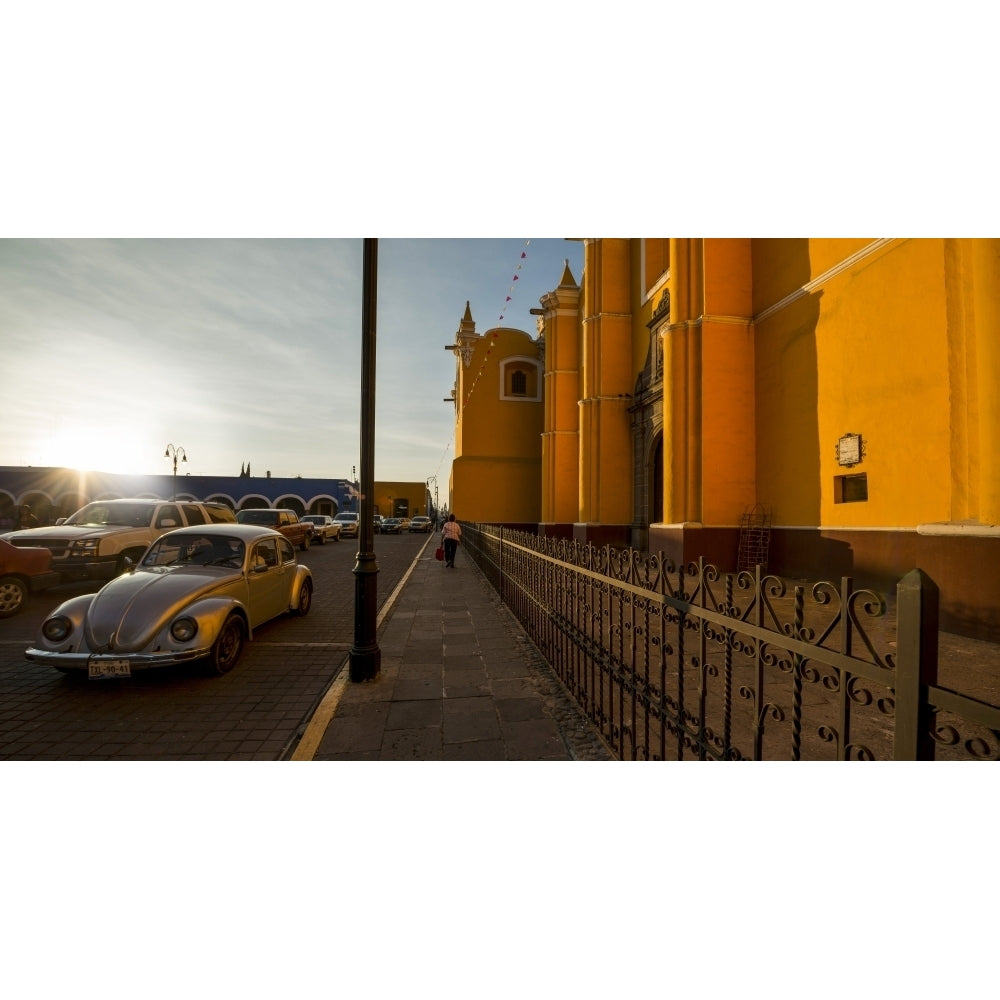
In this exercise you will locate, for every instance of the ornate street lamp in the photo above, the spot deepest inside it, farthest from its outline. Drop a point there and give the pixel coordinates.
(175, 454)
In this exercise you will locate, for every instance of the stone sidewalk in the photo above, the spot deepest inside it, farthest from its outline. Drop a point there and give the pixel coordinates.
(459, 681)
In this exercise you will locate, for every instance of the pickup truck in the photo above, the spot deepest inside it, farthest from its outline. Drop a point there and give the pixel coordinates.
(281, 519)
(99, 540)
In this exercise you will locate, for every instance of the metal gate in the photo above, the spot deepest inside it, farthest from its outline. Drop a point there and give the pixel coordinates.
(688, 663)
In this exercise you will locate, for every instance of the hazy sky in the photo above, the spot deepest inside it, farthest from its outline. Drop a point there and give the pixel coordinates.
(247, 350)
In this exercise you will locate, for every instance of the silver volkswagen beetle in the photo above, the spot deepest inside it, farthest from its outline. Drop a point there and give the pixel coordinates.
(197, 593)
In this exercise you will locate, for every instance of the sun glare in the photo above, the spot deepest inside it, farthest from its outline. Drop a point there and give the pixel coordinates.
(96, 449)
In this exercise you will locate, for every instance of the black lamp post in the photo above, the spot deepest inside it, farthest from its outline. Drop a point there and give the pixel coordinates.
(366, 657)
(175, 453)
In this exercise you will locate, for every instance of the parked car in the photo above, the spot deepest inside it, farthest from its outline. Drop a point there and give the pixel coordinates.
(350, 523)
(280, 519)
(420, 524)
(323, 527)
(392, 526)
(98, 541)
(23, 570)
(198, 593)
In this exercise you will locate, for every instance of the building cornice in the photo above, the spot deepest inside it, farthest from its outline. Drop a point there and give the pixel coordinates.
(867, 251)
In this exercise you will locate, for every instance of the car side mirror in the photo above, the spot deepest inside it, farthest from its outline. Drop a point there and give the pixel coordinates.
(60, 520)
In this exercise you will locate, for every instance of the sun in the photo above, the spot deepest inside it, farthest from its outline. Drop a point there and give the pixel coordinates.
(96, 448)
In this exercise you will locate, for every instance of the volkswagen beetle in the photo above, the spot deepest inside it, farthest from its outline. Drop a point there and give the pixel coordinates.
(197, 593)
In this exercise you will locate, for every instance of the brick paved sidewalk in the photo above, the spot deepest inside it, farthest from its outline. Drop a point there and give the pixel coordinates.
(459, 681)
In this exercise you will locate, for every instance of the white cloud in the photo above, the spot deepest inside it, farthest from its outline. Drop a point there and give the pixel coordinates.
(246, 350)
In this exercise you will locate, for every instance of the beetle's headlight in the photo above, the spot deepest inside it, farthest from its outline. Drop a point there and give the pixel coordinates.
(56, 628)
(184, 629)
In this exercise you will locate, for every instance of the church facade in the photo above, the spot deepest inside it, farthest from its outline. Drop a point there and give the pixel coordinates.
(842, 395)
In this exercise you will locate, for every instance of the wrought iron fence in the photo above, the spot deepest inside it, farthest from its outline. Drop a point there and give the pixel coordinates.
(685, 662)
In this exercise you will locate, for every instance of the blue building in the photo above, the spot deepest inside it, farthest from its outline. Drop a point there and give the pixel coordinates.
(53, 493)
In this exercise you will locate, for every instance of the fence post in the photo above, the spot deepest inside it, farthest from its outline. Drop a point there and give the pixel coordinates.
(916, 664)
(500, 566)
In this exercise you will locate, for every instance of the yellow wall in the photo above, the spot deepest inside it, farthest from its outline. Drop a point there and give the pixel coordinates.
(496, 490)
(863, 351)
(410, 498)
(496, 473)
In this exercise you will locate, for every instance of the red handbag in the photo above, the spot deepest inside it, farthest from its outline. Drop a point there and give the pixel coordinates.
(439, 553)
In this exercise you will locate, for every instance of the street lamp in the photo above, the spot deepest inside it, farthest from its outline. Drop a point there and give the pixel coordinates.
(366, 657)
(433, 500)
(175, 453)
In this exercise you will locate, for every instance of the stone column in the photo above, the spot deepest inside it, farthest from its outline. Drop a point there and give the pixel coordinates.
(561, 430)
(985, 256)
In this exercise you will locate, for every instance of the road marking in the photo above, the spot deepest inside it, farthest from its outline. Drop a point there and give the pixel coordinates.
(321, 718)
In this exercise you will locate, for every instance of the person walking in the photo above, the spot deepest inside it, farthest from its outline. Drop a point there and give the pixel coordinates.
(451, 533)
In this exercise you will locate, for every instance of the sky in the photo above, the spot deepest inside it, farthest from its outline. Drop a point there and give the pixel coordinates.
(240, 351)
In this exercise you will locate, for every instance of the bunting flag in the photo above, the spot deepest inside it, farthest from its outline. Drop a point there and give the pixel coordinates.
(495, 336)
(447, 447)
(471, 386)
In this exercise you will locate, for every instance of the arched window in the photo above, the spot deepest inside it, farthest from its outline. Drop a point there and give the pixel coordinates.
(520, 380)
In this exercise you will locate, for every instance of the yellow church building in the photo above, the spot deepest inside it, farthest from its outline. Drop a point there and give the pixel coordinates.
(496, 471)
(838, 397)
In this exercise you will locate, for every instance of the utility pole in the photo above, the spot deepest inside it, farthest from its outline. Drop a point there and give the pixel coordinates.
(366, 657)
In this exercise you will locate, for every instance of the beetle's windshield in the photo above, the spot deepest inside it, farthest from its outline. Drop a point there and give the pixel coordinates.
(195, 549)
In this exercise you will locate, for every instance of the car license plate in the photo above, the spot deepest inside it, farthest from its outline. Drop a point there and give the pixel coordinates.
(98, 670)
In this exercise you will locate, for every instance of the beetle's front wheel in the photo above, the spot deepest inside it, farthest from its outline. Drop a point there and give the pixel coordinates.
(228, 646)
(305, 599)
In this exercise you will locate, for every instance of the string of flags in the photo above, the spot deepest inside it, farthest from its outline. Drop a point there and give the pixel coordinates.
(495, 334)
(445, 452)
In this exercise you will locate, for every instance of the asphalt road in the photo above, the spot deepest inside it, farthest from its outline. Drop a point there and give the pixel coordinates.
(256, 712)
